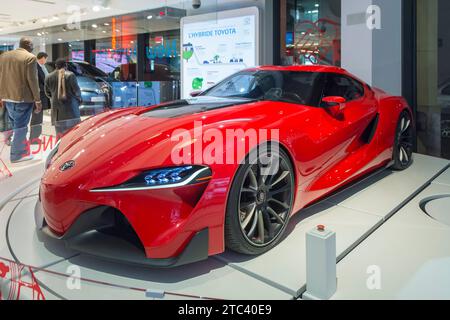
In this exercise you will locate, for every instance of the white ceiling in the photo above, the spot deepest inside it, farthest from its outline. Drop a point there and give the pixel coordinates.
(22, 15)
(30, 17)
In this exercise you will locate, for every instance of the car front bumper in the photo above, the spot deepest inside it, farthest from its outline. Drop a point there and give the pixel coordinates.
(95, 233)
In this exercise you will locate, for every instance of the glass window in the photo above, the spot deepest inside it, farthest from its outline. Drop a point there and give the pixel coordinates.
(343, 86)
(446, 90)
(117, 57)
(86, 70)
(284, 86)
(162, 56)
(433, 78)
(76, 51)
(311, 32)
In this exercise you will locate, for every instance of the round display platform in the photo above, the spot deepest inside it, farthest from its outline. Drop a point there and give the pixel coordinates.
(438, 209)
(44, 268)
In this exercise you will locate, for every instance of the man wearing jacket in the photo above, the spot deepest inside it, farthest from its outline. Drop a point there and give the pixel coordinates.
(19, 93)
(37, 118)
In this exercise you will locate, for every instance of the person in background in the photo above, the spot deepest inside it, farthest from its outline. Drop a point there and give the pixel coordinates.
(19, 92)
(5, 126)
(61, 87)
(37, 118)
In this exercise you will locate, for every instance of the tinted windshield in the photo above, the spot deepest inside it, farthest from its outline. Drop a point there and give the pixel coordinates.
(86, 70)
(287, 86)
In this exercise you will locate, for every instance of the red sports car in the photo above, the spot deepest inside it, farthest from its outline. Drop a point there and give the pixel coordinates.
(175, 183)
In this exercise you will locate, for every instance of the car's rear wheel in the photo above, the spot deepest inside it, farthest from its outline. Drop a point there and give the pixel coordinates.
(403, 147)
(260, 202)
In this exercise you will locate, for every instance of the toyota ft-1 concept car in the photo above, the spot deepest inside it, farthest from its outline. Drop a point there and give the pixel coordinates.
(175, 183)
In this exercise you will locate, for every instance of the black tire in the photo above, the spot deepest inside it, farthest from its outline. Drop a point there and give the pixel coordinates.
(403, 145)
(272, 194)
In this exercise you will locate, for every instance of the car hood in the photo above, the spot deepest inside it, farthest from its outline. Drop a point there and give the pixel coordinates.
(115, 146)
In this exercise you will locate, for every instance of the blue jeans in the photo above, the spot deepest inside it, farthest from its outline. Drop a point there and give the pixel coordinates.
(19, 117)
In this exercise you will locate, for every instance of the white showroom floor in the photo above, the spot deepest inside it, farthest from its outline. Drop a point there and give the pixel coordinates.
(380, 227)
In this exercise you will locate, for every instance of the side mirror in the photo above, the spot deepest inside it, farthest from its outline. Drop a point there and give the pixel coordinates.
(334, 100)
(336, 106)
(195, 94)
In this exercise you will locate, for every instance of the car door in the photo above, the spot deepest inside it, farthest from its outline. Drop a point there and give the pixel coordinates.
(344, 136)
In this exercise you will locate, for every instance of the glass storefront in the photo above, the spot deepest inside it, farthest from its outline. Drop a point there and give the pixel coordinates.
(6, 47)
(311, 32)
(433, 77)
(117, 57)
(162, 56)
(76, 51)
(136, 50)
(139, 54)
(161, 70)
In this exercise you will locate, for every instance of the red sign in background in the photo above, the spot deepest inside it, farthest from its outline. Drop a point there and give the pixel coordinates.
(4, 171)
(18, 282)
(319, 41)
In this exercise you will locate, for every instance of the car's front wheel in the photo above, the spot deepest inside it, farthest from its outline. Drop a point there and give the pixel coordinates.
(403, 146)
(260, 202)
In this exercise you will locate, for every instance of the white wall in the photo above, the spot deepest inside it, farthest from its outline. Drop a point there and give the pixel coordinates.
(373, 55)
(387, 47)
(356, 46)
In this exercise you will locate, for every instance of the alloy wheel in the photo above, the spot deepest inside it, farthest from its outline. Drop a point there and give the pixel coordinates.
(405, 140)
(265, 200)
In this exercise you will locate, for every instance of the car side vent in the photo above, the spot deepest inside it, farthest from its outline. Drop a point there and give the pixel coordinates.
(370, 131)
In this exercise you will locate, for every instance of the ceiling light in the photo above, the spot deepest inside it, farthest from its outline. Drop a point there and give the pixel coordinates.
(94, 26)
(104, 31)
(149, 17)
(60, 39)
(106, 24)
(96, 8)
(44, 20)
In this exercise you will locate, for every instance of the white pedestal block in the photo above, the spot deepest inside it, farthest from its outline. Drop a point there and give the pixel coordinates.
(321, 282)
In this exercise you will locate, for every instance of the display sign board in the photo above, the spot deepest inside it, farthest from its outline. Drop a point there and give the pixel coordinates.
(217, 45)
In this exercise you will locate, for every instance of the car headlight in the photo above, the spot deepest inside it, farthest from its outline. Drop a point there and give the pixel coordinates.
(51, 155)
(164, 178)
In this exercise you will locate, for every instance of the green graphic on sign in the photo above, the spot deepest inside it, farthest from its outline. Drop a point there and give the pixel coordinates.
(188, 55)
(188, 51)
(197, 83)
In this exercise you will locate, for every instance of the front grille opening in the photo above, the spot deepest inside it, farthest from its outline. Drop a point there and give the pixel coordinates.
(120, 228)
